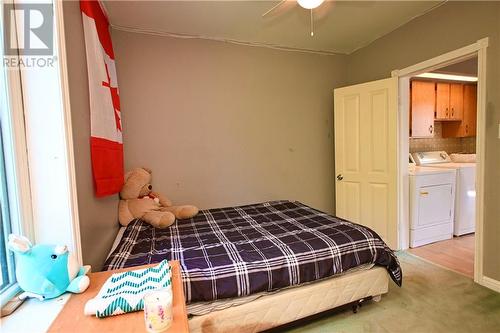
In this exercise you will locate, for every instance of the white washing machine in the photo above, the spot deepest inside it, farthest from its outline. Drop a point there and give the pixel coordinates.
(432, 201)
(465, 198)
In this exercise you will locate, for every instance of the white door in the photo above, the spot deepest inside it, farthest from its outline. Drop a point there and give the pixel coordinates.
(366, 156)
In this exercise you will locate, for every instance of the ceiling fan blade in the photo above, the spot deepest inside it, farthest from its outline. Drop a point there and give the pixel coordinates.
(279, 4)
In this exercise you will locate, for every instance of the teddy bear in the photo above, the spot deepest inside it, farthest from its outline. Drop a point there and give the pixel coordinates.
(138, 201)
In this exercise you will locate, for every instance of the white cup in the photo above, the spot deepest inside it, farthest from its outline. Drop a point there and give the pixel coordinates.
(158, 310)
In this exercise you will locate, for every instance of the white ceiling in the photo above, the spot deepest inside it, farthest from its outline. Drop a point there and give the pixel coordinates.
(340, 26)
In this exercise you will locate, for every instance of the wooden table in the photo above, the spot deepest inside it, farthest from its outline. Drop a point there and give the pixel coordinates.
(72, 319)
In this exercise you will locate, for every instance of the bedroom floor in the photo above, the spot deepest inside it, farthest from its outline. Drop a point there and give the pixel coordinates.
(456, 254)
(432, 299)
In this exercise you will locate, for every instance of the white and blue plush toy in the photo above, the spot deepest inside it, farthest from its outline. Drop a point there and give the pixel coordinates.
(46, 271)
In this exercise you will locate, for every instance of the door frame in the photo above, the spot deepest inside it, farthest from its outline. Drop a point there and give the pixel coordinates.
(478, 49)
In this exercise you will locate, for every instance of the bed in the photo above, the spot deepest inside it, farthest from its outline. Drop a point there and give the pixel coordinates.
(254, 267)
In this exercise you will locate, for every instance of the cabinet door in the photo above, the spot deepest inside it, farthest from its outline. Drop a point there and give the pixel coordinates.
(442, 100)
(435, 204)
(467, 127)
(470, 110)
(456, 101)
(423, 96)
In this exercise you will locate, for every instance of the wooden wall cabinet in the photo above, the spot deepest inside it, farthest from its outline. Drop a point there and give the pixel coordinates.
(469, 121)
(422, 108)
(442, 101)
(467, 127)
(449, 101)
(456, 101)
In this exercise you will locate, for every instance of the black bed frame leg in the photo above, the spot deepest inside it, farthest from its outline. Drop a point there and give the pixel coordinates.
(356, 305)
(359, 303)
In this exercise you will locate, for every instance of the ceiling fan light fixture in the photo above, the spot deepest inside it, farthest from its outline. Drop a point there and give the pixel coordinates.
(310, 4)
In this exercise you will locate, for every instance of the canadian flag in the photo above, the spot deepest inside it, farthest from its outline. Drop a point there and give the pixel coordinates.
(105, 118)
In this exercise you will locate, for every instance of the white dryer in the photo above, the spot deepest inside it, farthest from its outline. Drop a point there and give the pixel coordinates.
(465, 198)
(432, 201)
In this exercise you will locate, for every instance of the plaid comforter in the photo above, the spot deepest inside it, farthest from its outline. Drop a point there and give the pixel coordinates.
(239, 251)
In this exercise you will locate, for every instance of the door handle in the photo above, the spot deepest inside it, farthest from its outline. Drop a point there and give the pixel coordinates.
(340, 177)
(431, 128)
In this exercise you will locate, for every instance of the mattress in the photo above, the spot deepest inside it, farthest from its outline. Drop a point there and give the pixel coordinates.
(203, 308)
(243, 251)
(265, 310)
(293, 304)
(117, 241)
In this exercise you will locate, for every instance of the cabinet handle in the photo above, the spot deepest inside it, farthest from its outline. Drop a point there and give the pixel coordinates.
(431, 129)
(340, 177)
(452, 112)
(466, 128)
(424, 193)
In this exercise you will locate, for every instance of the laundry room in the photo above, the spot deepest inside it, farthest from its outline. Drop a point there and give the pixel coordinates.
(442, 146)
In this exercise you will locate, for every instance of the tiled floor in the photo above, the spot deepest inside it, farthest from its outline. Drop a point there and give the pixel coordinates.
(456, 254)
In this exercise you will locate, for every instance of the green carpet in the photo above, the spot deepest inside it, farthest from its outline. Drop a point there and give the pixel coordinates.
(432, 299)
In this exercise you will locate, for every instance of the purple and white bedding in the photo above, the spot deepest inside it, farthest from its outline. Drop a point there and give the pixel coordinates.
(239, 251)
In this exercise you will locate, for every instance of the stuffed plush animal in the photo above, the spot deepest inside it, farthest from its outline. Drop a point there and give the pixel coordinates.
(139, 201)
(46, 271)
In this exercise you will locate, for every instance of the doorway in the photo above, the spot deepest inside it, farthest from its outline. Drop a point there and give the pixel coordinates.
(434, 240)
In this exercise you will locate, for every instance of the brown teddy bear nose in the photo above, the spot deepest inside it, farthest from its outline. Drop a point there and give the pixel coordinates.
(150, 187)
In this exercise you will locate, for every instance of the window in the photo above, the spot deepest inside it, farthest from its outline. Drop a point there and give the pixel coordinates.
(8, 285)
(14, 182)
(29, 86)
(7, 277)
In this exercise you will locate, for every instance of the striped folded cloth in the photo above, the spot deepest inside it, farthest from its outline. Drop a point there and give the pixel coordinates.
(124, 292)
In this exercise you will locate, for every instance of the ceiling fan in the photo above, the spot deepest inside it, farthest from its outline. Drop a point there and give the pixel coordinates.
(306, 4)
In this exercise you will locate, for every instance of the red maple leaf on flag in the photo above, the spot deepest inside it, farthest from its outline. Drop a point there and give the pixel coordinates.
(114, 97)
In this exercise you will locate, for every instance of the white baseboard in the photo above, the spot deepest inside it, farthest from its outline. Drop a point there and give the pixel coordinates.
(490, 283)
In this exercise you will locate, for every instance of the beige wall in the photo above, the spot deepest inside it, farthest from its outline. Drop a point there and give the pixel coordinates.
(98, 217)
(222, 124)
(449, 27)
